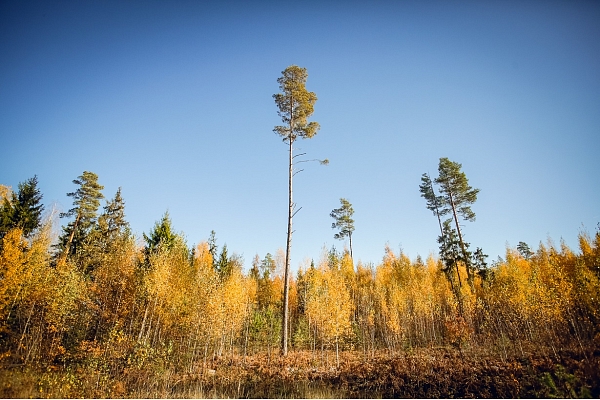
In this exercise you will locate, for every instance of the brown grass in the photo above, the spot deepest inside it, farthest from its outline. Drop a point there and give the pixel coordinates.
(431, 373)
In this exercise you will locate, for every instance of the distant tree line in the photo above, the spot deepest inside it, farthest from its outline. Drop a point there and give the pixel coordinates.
(96, 295)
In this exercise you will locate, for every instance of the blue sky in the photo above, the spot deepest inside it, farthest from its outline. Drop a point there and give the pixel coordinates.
(172, 101)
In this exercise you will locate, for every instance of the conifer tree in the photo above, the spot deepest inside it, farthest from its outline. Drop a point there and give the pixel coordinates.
(433, 202)
(456, 199)
(212, 247)
(254, 273)
(112, 221)
(86, 200)
(450, 254)
(296, 105)
(457, 195)
(267, 266)
(161, 236)
(343, 221)
(479, 263)
(524, 250)
(109, 233)
(22, 209)
(223, 267)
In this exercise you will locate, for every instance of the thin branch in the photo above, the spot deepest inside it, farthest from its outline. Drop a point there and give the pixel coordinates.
(322, 162)
(296, 212)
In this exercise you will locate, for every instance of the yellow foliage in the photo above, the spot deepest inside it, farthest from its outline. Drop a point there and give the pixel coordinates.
(115, 286)
(223, 307)
(170, 284)
(189, 312)
(536, 295)
(13, 268)
(5, 192)
(328, 304)
(347, 270)
(238, 293)
(204, 259)
(23, 269)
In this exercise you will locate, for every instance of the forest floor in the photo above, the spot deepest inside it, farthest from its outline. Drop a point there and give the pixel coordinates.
(420, 373)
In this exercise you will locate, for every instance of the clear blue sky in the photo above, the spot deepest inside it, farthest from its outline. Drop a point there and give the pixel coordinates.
(172, 101)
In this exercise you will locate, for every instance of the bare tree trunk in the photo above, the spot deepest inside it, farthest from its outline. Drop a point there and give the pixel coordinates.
(246, 337)
(286, 281)
(25, 329)
(437, 213)
(350, 237)
(462, 246)
(337, 353)
(143, 323)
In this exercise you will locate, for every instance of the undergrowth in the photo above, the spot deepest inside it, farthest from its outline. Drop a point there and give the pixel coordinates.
(431, 373)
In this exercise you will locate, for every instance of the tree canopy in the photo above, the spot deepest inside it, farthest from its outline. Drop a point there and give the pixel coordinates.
(296, 105)
(22, 209)
(343, 221)
(86, 200)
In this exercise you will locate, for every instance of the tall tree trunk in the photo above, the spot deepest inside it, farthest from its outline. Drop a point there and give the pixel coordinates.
(286, 281)
(462, 246)
(65, 253)
(437, 212)
(350, 237)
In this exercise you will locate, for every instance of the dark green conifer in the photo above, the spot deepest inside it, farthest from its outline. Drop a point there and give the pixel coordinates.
(86, 200)
(22, 209)
(161, 236)
(343, 221)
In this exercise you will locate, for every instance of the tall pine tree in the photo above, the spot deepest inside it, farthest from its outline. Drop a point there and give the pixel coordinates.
(343, 221)
(86, 200)
(296, 105)
(457, 197)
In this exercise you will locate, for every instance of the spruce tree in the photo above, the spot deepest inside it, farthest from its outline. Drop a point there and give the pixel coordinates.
(109, 234)
(223, 265)
(22, 209)
(163, 239)
(112, 221)
(161, 236)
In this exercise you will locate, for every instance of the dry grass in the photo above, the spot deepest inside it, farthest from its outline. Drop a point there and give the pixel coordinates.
(432, 373)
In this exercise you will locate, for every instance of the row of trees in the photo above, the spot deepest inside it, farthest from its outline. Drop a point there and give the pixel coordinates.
(96, 298)
(295, 105)
(99, 299)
